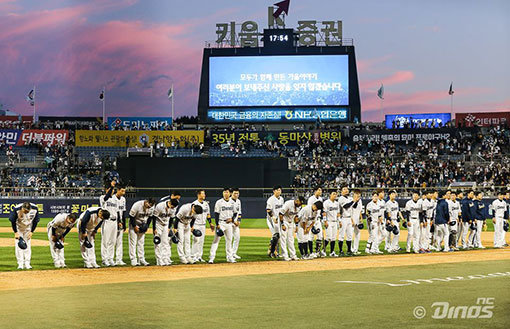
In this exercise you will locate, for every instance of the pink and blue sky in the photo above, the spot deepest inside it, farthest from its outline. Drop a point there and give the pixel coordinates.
(70, 49)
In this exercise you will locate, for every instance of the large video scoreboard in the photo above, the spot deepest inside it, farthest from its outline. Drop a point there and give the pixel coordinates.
(279, 83)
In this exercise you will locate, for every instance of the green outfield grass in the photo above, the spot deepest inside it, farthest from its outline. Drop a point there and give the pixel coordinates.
(299, 300)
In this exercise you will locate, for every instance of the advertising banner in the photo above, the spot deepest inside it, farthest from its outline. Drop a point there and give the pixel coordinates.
(142, 123)
(10, 136)
(290, 138)
(7, 121)
(46, 137)
(402, 135)
(120, 138)
(485, 119)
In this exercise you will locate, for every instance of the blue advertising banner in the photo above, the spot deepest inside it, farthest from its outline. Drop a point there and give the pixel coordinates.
(279, 114)
(140, 123)
(10, 136)
(420, 120)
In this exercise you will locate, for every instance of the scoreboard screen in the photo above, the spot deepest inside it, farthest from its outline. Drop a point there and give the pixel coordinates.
(281, 81)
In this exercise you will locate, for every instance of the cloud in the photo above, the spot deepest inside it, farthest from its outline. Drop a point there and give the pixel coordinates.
(395, 78)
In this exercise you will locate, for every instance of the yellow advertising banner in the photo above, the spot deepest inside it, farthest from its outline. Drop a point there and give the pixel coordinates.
(120, 138)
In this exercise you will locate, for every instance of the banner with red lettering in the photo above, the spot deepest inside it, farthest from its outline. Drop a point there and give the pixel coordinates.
(45, 137)
(482, 119)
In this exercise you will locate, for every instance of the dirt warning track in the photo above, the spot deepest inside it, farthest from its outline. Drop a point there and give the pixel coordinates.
(84, 277)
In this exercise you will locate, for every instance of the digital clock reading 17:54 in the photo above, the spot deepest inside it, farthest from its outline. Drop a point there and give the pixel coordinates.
(278, 38)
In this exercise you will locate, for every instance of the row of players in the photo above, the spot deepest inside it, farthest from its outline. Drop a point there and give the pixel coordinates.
(426, 218)
(170, 224)
(430, 222)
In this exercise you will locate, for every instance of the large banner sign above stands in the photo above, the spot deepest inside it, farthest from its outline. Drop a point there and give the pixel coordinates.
(27, 136)
(134, 138)
(285, 138)
(279, 115)
(142, 123)
(10, 136)
(402, 135)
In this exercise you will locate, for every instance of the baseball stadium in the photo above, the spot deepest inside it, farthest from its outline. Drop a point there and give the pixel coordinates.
(258, 165)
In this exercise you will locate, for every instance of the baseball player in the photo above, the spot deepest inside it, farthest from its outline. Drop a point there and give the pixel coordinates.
(393, 218)
(316, 196)
(236, 232)
(357, 219)
(164, 214)
(197, 249)
(468, 214)
(224, 215)
(120, 200)
(382, 213)
(139, 222)
(480, 217)
(332, 221)
(88, 224)
(347, 228)
(184, 224)
(109, 228)
(429, 206)
(441, 223)
(498, 210)
(24, 219)
(460, 227)
(414, 217)
(307, 217)
(454, 208)
(375, 220)
(174, 195)
(273, 206)
(288, 219)
(57, 231)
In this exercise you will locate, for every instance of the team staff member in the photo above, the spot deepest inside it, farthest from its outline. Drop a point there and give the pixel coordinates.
(197, 249)
(88, 224)
(441, 223)
(139, 222)
(467, 210)
(224, 215)
(236, 232)
(24, 219)
(288, 220)
(57, 231)
(273, 206)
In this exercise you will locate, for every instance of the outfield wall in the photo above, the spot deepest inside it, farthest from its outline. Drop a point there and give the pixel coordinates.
(49, 207)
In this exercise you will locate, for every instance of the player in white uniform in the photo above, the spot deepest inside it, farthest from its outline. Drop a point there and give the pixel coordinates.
(24, 219)
(273, 206)
(120, 200)
(236, 232)
(414, 216)
(357, 219)
(453, 227)
(498, 209)
(288, 219)
(375, 220)
(109, 228)
(317, 196)
(184, 224)
(429, 206)
(197, 249)
(224, 215)
(139, 222)
(88, 224)
(347, 227)
(164, 214)
(393, 217)
(57, 231)
(332, 221)
(307, 217)
(382, 213)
